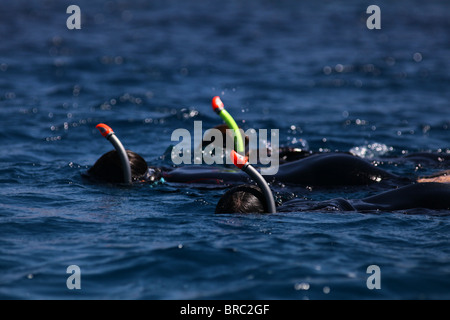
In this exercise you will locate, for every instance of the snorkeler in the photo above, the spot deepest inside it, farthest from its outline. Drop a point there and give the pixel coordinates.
(255, 199)
(427, 195)
(120, 165)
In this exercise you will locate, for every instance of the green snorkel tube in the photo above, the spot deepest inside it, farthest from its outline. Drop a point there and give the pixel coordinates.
(219, 108)
(109, 134)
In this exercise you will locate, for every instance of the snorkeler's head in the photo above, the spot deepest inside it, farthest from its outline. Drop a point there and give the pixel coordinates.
(242, 199)
(108, 167)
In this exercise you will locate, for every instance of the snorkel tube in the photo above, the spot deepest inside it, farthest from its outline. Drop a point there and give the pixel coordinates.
(109, 134)
(219, 108)
(242, 163)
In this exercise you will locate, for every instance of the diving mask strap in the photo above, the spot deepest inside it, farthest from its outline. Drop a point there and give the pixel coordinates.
(109, 134)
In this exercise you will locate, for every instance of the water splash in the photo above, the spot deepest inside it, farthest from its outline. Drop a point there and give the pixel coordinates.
(371, 150)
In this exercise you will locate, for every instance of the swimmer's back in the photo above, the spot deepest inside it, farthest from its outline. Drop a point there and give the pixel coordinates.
(332, 169)
(205, 174)
(430, 195)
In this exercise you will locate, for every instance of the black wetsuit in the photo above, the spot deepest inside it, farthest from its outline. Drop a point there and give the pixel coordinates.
(325, 169)
(430, 195)
(199, 174)
(332, 169)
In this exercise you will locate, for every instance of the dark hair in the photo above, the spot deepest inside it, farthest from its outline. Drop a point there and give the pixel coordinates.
(223, 129)
(108, 167)
(242, 199)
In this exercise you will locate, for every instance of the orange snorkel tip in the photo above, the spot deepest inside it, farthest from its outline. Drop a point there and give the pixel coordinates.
(104, 129)
(217, 104)
(238, 160)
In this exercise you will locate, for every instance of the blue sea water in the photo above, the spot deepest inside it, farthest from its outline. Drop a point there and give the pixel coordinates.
(311, 69)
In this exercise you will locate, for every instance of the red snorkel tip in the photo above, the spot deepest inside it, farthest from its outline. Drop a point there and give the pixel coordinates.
(104, 129)
(238, 160)
(217, 104)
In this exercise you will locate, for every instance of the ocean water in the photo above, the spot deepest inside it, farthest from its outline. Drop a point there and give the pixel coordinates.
(311, 69)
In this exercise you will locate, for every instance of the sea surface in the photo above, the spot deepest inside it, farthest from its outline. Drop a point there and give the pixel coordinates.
(311, 69)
